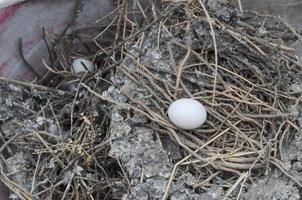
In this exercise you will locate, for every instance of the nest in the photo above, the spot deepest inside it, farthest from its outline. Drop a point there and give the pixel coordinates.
(239, 64)
(237, 67)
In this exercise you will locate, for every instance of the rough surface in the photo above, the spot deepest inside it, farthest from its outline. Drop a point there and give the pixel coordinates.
(14, 102)
(17, 105)
(273, 186)
(137, 149)
(147, 163)
(17, 166)
(15, 108)
(292, 154)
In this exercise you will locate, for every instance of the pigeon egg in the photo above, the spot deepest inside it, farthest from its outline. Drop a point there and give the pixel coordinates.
(187, 113)
(82, 65)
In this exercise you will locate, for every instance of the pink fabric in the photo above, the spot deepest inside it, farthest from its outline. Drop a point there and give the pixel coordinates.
(25, 20)
(8, 11)
(5, 13)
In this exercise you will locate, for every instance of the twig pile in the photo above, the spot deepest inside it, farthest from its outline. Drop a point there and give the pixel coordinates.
(235, 63)
(241, 67)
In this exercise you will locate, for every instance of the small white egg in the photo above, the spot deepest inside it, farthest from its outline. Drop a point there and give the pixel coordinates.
(187, 113)
(82, 65)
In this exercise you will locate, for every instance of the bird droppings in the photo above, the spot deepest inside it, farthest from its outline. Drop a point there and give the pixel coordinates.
(272, 186)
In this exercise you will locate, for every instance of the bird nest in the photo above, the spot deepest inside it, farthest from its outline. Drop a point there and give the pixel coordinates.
(239, 64)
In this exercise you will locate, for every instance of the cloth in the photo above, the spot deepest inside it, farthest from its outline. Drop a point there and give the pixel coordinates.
(25, 20)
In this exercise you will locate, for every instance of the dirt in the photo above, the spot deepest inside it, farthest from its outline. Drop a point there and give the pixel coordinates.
(17, 105)
(272, 186)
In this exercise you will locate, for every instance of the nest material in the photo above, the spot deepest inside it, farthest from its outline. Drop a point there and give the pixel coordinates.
(240, 65)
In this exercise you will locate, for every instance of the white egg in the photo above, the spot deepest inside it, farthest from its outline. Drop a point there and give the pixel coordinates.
(187, 113)
(81, 65)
